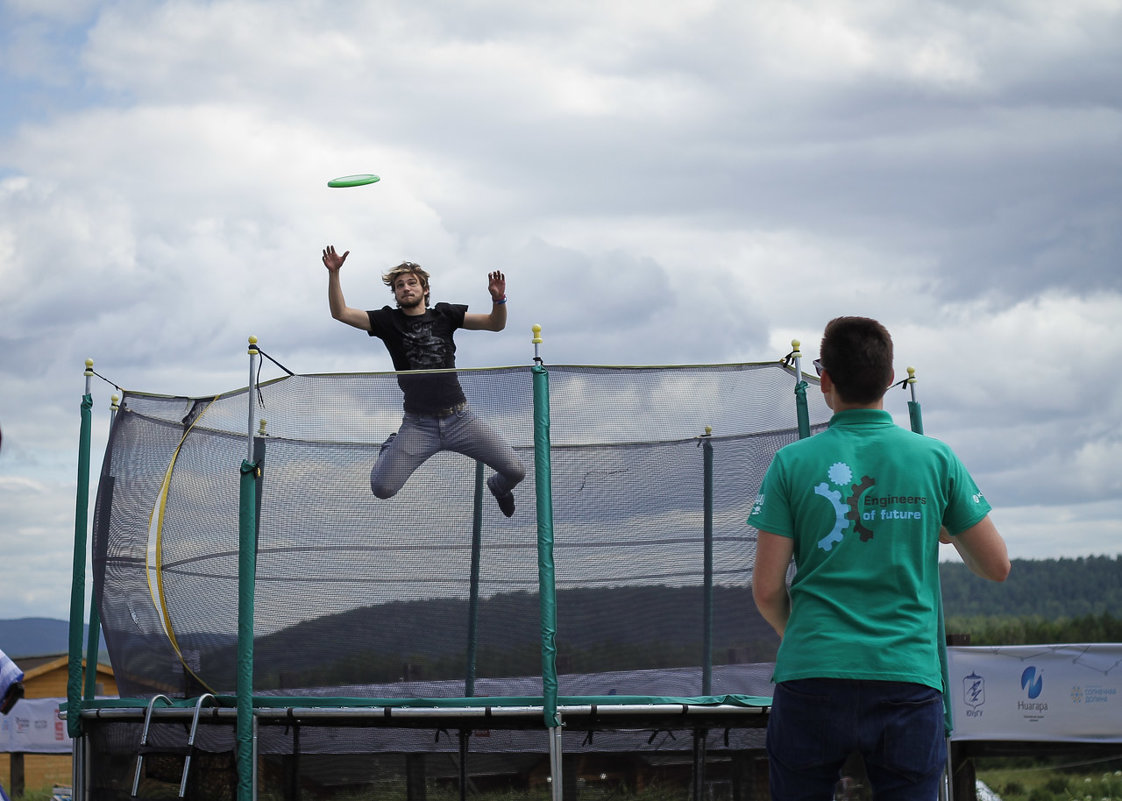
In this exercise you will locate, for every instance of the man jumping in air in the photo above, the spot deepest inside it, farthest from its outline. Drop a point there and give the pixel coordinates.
(437, 417)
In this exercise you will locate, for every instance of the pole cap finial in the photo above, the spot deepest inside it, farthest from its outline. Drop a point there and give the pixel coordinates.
(89, 367)
(911, 375)
(261, 427)
(253, 345)
(537, 329)
(795, 344)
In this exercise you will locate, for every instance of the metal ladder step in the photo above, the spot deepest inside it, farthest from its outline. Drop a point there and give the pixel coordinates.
(185, 751)
(167, 750)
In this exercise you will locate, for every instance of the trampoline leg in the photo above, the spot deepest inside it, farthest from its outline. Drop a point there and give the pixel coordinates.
(699, 756)
(463, 764)
(946, 791)
(78, 766)
(555, 763)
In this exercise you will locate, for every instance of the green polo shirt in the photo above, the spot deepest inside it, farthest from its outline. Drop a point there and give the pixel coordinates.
(864, 502)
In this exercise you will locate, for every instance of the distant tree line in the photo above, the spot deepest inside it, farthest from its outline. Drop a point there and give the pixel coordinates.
(635, 627)
(1037, 630)
(1048, 588)
(1043, 601)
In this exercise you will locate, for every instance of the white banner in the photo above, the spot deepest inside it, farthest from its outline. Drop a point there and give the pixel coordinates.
(34, 727)
(1070, 693)
(1062, 693)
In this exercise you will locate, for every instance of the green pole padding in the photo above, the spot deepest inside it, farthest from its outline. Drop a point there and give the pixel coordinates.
(707, 653)
(801, 410)
(259, 460)
(945, 668)
(916, 416)
(105, 486)
(247, 571)
(78, 583)
(473, 599)
(92, 648)
(546, 579)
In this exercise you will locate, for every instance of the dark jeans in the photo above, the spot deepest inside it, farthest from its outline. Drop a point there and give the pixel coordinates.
(816, 723)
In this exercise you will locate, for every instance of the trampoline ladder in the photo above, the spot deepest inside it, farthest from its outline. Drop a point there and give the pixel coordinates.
(184, 751)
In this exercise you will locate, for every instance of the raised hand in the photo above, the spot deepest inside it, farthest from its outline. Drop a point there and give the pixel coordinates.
(332, 260)
(496, 284)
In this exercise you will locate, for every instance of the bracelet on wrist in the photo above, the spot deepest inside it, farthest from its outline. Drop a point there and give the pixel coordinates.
(500, 301)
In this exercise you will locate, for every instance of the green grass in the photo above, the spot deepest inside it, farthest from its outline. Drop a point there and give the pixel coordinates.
(395, 791)
(1013, 779)
(34, 795)
(1025, 780)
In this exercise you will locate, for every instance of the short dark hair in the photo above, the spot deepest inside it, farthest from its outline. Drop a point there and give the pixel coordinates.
(857, 352)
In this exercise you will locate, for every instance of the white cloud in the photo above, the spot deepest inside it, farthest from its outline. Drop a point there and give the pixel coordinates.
(64, 11)
(1045, 532)
(700, 183)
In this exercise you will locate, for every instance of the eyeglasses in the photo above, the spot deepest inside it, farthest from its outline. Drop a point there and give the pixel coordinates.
(818, 368)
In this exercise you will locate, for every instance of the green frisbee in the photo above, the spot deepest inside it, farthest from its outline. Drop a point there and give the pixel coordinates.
(353, 180)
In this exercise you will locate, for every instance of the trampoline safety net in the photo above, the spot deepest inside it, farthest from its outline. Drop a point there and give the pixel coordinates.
(432, 594)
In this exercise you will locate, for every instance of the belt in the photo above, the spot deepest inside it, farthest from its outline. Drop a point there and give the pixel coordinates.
(451, 410)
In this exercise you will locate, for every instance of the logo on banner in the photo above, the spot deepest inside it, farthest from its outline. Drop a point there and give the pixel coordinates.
(973, 694)
(1032, 683)
(1092, 694)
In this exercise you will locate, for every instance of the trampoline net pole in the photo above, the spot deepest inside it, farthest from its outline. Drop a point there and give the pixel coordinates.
(78, 585)
(801, 410)
(247, 571)
(915, 415)
(707, 579)
(473, 590)
(546, 578)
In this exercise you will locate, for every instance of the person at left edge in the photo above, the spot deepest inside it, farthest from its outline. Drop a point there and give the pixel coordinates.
(419, 336)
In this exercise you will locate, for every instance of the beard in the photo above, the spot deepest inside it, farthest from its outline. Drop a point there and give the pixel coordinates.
(412, 304)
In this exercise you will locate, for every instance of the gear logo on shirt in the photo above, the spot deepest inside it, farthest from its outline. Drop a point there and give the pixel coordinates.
(846, 510)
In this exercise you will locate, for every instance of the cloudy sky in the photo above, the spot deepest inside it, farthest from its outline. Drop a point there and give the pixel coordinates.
(664, 183)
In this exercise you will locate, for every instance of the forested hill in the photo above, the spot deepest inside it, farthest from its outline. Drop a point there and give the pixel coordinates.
(1044, 588)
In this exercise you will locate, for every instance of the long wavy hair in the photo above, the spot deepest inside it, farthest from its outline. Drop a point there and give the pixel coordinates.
(408, 268)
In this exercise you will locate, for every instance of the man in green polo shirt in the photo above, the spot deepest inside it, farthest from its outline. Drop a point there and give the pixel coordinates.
(862, 508)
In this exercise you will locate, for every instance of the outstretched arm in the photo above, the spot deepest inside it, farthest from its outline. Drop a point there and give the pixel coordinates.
(496, 320)
(769, 579)
(982, 549)
(339, 308)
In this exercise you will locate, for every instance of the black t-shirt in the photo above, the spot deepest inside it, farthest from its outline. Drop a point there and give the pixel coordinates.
(422, 342)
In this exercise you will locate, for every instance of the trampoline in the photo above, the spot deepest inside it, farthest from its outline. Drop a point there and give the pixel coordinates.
(344, 642)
